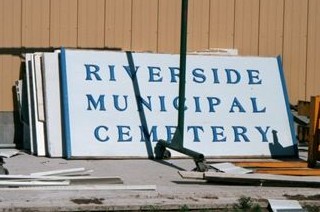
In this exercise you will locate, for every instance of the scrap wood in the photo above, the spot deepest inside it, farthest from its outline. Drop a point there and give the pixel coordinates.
(290, 171)
(262, 179)
(72, 179)
(63, 172)
(272, 164)
(230, 168)
(10, 183)
(86, 187)
(253, 179)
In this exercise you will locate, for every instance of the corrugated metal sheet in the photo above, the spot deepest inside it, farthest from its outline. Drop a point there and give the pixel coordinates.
(118, 24)
(295, 47)
(271, 27)
(169, 26)
(198, 25)
(221, 24)
(91, 15)
(313, 54)
(144, 25)
(255, 27)
(35, 23)
(10, 23)
(63, 23)
(246, 26)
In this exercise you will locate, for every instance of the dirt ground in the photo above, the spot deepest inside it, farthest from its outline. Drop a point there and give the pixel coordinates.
(171, 193)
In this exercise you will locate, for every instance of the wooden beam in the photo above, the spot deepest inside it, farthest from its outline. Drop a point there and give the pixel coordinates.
(290, 171)
(279, 164)
(314, 131)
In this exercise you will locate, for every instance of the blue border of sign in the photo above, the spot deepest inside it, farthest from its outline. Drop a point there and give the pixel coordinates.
(65, 106)
(285, 94)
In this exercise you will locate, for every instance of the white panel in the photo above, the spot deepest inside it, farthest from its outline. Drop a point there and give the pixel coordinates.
(51, 83)
(231, 104)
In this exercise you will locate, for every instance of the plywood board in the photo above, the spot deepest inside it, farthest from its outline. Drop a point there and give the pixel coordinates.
(118, 24)
(246, 27)
(10, 23)
(198, 25)
(35, 23)
(169, 26)
(271, 27)
(51, 80)
(295, 47)
(313, 52)
(144, 25)
(91, 23)
(222, 23)
(63, 23)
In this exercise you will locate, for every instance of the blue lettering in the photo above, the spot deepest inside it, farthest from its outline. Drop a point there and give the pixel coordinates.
(94, 103)
(230, 79)
(263, 133)
(237, 104)
(195, 132)
(254, 77)
(240, 131)
(170, 132)
(92, 69)
(213, 101)
(174, 73)
(162, 104)
(176, 103)
(154, 74)
(198, 75)
(255, 107)
(215, 75)
(141, 102)
(152, 133)
(112, 75)
(98, 136)
(197, 104)
(132, 73)
(217, 132)
(124, 134)
(116, 102)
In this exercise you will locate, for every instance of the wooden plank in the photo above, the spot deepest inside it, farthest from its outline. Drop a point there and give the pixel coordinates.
(169, 26)
(63, 23)
(280, 164)
(262, 179)
(118, 24)
(191, 175)
(221, 28)
(91, 23)
(314, 132)
(35, 23)
(246, 27)
(271, 27)
(198, 25)
(144, 25)
(313, 49)
(10, 23)
(295, 47)
(290, 171)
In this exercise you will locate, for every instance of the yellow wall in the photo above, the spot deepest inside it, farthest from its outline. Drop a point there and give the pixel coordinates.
(290, 28)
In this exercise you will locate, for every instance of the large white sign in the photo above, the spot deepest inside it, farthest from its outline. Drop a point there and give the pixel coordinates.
(119, 104)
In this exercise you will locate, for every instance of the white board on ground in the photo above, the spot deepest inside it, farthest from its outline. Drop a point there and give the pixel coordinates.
(51, 84)
(119, 104)
(39, 139)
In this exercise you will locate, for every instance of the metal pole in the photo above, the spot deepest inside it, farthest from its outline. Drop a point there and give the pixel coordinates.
(182, 76)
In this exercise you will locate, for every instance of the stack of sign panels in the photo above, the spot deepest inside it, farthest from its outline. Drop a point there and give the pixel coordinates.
(86, 103)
